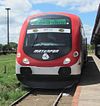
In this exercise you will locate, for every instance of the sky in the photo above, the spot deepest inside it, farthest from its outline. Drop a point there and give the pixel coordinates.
(21, 9)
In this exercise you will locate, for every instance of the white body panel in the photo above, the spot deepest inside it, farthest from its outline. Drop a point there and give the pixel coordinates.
(43, 30)
(75, 69)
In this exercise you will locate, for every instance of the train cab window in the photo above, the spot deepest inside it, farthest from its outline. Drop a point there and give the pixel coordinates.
(48, 34)
(48, 39)
(36, 44)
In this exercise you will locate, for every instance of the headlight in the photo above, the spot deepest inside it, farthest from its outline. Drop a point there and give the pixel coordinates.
(26, 61)
(66, 61)
(76, 54)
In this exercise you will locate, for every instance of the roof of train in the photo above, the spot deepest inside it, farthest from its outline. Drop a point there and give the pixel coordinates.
(55, 13)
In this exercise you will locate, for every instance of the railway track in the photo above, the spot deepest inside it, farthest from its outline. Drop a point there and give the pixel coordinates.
(21, 98)
(46, 97)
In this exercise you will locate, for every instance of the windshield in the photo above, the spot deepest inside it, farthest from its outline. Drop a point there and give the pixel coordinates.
(48, 39)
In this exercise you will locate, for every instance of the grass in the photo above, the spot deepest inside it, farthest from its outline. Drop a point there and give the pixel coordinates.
(9, 90)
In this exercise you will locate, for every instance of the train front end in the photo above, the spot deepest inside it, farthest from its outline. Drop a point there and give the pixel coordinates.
(48, 54)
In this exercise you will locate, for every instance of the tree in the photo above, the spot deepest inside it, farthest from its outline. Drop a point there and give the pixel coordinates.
(1, 47)
(6, 49)
(90, 48)
(13, 46)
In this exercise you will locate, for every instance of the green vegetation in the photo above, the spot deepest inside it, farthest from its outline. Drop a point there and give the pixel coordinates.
(9, 89)
(90, 48)
(11, 48)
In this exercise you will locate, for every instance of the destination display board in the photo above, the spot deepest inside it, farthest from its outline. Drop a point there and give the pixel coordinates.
(48, 22)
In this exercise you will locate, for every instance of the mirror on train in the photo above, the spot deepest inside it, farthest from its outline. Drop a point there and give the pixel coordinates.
(97, 50)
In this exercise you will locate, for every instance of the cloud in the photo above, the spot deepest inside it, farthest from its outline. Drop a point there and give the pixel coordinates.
(18, 5)
(80, 5)
(20, 10)
(2, 34)
(86, 6)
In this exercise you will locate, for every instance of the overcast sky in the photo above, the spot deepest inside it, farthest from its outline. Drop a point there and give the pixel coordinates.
(21, 9)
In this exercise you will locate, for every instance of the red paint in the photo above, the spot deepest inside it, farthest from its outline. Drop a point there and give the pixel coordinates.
(76, 23)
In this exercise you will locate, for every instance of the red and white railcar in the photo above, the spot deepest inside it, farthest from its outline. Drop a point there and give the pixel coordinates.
(51, 50)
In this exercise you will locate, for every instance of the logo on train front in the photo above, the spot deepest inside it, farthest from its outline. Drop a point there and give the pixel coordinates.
(45, 56)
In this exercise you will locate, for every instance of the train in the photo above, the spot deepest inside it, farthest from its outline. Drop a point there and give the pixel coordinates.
(52, 50)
